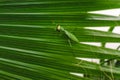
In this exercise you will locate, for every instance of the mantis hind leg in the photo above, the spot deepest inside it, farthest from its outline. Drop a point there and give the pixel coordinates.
(71, 48)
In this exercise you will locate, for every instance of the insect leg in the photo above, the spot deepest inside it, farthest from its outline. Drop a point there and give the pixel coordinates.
(71, 47)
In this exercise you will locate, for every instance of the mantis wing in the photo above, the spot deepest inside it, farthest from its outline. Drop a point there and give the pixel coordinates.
(71, 36)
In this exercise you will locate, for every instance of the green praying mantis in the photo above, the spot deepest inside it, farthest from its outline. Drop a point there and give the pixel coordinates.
(67, 33)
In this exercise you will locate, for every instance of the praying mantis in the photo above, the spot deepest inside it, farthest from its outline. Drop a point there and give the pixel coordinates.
(67, 33)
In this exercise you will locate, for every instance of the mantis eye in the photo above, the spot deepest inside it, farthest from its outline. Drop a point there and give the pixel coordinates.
(58, 28)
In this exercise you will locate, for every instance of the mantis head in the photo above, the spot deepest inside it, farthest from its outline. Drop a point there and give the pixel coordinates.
(59, 28)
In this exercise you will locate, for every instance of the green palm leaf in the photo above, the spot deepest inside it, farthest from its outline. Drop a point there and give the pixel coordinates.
(32, 49)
